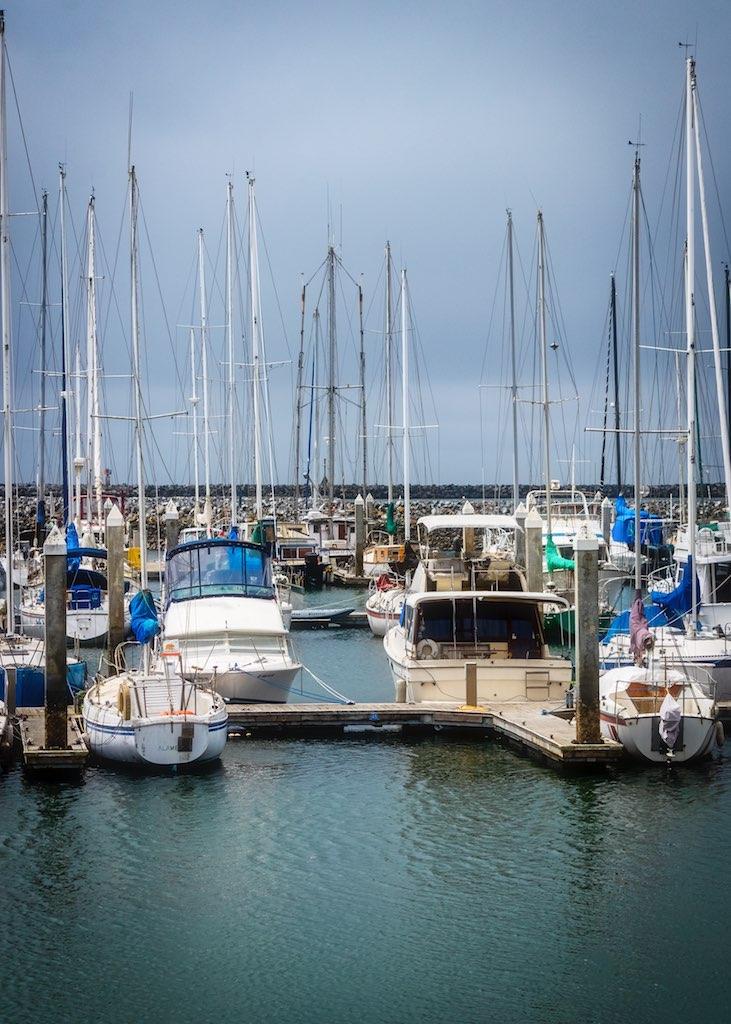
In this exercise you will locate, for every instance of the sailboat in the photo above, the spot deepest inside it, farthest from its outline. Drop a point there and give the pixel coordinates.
(658, 713)
(222, 615)
(152, 715)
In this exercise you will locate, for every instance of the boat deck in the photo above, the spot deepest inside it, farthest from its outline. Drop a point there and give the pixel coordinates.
(527, 725)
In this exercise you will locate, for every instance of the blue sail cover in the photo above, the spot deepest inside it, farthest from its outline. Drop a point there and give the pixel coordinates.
(233, 533)
(72, 544)
(620, 623)
(623, 530)
(143, 613)
(679, 602)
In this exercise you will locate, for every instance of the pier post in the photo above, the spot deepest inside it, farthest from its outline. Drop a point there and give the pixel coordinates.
(470, 683)
(370, 502)
(607, 522)
(520, 513)
(586, 550)
(534, 552)
(54, 559)
(172, 525)
(359, 534)
(115, 580)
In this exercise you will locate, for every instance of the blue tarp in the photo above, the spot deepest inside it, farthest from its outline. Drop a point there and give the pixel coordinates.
(233, 533)
(620, 624)
(72, 544)
(679, 602)
(623, 530)
(143, 613)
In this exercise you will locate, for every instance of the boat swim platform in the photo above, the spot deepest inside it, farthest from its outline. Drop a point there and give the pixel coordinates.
(527, 725)
(31, 725)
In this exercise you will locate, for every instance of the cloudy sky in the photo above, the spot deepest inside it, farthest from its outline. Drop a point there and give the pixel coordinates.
(417, 122)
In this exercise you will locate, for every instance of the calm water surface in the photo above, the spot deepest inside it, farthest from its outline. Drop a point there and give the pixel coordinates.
(366, 881)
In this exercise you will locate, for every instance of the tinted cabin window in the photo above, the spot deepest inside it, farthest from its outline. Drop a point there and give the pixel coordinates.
(723, 582)
(511, 624)
(218, 570)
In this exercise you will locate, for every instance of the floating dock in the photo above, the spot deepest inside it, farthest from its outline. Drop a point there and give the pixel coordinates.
(32, 728)
(526, 725)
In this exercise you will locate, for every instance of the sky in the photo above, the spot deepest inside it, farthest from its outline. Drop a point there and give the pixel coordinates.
(420, 123)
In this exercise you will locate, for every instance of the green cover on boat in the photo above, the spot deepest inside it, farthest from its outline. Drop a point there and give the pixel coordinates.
(555, 561)
(390, 521)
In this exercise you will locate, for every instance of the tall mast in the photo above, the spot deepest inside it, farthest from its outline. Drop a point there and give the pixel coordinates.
(544, 364)
(636, 361)
(41, 477)
(720, 391)
(405, 403)
(727, 295)
(389, 371)
(7, 377)
(615, 357)
(92, 369)
(298, 403)
(363, 417)
(513, 360)
(332, 359)
(194, 403)
(204, 372)
(79, 461)
(65, 353)
(255, 342)
(230, 346)
(137, 382)
(690, 324)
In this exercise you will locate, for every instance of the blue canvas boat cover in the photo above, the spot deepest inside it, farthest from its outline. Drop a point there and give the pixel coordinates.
(143, 613)
(620, 624)
(679, 602)
(623, 530)
(72, 545)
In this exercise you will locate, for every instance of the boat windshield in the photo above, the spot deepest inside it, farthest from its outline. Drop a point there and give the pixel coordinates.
(512, 626)
(217, 570)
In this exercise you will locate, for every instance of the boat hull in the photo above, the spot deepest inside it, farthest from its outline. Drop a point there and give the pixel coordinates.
(638, 736)
(170, 741)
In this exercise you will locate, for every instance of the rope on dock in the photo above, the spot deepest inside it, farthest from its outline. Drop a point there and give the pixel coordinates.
(327, 688)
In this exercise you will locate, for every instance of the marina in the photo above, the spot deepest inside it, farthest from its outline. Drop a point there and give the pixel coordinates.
(295, 726)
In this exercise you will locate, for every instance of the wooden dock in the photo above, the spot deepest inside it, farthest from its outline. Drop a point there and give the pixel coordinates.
(31, 723)
(526, 725)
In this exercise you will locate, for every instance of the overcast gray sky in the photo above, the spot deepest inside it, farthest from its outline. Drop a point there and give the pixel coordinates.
(421, 121)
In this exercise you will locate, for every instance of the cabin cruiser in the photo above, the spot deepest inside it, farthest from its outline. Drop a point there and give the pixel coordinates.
(500, 633)
(223, 618)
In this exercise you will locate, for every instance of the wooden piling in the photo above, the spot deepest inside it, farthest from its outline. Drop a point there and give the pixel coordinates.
(520, 513)
(607, 521)
(172, 525)
(534, 551)
(54, 558)
(586, 551)
(115, 580)
(359, 534)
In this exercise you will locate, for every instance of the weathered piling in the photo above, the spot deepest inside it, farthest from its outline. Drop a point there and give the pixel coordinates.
(115, 580)
(534, 551)
(359, 534)
(172, 525)
(54, 558)
(370, 507)
(520, 513)
(607, 522)
(586, 551)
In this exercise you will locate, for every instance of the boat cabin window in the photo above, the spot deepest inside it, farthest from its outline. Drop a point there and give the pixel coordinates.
(722, 582)
(218, 570)
(513, 626)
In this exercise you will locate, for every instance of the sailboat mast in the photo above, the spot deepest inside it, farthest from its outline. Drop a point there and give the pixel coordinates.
(79, 461)
(544, 365)
(363, 417)
(514, 363)
(7, 377)
(92, 369)
(41, 477)
(255, 343)
(690, 325)
(389, 371)
(720, 392)
(194, 404)
(615, 359)
(727, 294)
(137, 382)
(331, 371)
(405, 404)
(298, 402)
(636, 361)
(65, 355)
(204, 372)
(230, 346)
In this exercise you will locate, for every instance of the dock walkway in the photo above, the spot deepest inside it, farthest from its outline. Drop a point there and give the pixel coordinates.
(526, 724)
(31, 723)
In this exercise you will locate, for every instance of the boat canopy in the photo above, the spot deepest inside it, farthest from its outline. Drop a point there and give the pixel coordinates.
(218, 567)
(467, 521)
(531, 597)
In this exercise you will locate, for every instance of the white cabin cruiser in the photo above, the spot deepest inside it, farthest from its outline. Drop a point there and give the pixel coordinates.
(223, 618)
(657, 714)
(156, 718)
(500, 632)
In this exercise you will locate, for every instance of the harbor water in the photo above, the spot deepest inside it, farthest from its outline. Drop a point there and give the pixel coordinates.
(366, 880)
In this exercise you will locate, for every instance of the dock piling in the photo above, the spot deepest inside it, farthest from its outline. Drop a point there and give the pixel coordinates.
(520, 513)
(534, 551)
(115, 580)
(607, 522)
(470, 684)
(172, 525)
(359, 534)
(54, 558)
(586, 551)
